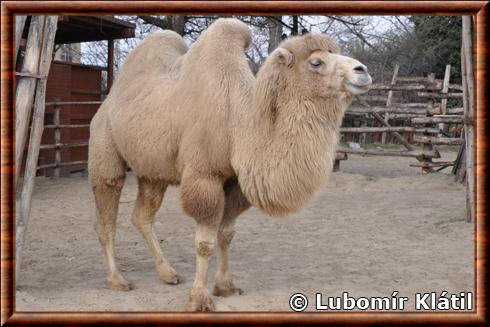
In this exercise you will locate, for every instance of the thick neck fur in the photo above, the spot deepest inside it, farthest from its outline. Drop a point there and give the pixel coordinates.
(289, 148)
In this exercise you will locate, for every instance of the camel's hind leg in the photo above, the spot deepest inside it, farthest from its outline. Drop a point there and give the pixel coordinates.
(107, 193)
(150, 196)
(107, 171)
(235, 204)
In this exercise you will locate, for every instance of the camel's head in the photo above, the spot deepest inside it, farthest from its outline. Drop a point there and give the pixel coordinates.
(314, 64)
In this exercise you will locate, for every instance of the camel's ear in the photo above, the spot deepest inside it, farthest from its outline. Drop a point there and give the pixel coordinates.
(284, 56)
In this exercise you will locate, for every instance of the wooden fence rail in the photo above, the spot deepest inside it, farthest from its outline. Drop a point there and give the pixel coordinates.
(57, 126)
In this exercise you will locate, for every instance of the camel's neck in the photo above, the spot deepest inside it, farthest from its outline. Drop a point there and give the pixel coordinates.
(284, 161)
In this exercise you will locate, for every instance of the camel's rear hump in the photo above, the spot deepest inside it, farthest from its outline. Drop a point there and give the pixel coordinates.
(155, 54)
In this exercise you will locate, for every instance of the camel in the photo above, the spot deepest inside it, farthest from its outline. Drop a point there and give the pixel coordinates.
(197, 117)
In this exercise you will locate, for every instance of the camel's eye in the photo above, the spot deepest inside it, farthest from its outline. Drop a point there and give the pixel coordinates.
(315, 63)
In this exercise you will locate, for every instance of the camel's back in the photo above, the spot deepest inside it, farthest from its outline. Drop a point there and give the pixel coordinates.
(155, 55)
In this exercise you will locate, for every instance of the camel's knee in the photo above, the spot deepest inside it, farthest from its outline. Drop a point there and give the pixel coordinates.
(205, 248)
(203, 199)
(149, 200)
(107, 193)
(106, 187)
(206, 239)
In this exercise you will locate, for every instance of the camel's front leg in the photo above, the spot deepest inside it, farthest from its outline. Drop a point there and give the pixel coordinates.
(203, 199)
(235, 204)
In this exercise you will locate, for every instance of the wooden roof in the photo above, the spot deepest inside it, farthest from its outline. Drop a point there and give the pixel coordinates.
(75, 29)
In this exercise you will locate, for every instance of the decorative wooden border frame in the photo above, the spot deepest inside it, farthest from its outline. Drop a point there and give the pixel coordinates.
(10, 8)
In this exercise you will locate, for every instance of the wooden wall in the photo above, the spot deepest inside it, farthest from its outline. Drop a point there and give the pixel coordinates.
(70, 82)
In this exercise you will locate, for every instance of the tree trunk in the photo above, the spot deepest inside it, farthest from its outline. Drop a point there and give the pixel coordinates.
(275, 32)
(295, 27)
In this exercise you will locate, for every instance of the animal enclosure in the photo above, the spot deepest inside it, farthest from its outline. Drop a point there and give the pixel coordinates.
(377, 201)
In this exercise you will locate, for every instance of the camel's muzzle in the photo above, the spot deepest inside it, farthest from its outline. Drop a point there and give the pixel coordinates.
(360, 81)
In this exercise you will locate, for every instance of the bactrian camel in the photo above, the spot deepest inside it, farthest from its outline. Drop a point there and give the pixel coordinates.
(199, 118)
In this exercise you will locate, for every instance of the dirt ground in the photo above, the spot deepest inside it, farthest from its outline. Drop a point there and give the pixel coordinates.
(378, 226)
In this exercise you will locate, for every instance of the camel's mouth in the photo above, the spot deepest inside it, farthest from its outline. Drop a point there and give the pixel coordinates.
(359, 87)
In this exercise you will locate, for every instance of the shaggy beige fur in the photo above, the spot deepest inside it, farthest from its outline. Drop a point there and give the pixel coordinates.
(200, 119)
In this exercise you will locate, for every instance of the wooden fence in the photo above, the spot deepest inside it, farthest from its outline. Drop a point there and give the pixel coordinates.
(418, 125)
(58, 128)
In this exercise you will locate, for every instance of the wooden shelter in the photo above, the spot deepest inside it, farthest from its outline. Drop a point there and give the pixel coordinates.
(41, 33)
(77, 29)
(77, 84)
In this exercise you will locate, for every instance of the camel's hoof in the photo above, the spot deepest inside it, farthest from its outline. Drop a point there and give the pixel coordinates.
(227, 291)
(120, 285)
(200, 301)
(170, 277)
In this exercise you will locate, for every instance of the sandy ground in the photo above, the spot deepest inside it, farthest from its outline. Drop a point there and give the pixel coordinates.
(376, 227)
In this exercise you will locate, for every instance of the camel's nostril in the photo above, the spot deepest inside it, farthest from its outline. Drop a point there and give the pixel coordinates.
(360, 69)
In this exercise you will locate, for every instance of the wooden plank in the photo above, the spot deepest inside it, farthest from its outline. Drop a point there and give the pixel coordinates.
(411, 105)
(411, 87)
(440, 96)
(63, 145)
(433, 164)
(375, 152)
(431, 81)
(24, 202)
(395, 110)
(445, 90)
(453, 119)
(414, 79)
(437, 140)
(469, 100)
(69, 163)
(456, 87)
(110, 64)
(388, 129)
(24, 94)
(68, 126)
(455, 111)
(57, 139)
(340, 156)
(389, 101)
(69, 103)
(379, 98)
(20, 22)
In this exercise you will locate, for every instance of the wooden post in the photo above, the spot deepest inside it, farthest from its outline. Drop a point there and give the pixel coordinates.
(110, 64)
(390, 100)
(23, 205)
(382, 121)
(469, 113)
(24, 94)
(20, 22)
(362, 137)
(427, 147)
(57, 137)
(445, 89)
